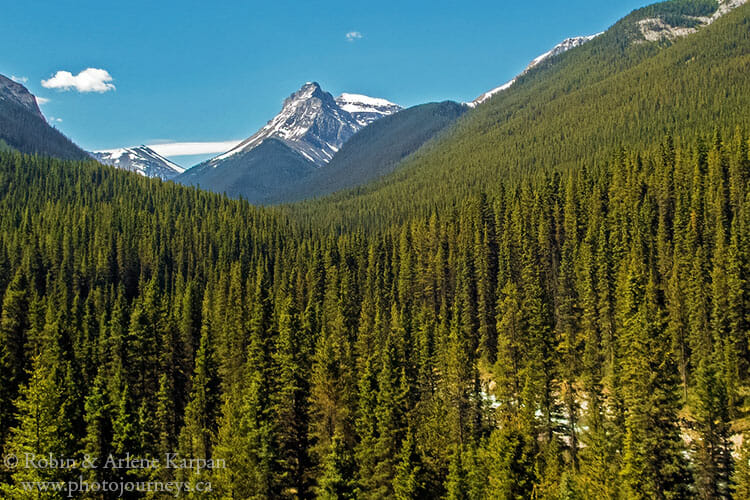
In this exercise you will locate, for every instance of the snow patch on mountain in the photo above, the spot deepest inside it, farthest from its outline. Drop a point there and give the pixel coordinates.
(141, 159)
(564, 46)
(315, 124)
(366, 109)
(560, 48)
(484, 97)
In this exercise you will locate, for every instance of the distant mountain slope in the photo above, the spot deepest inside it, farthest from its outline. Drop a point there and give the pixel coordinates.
(275, 173)
(366, 109)
(376, 150)
(14, 91)
(618, 90)
(23, 127)
(142, 160)
(560, 48)
(256, 174)
(675, 19)
(658, 22)
(312, 126)
(313, 123)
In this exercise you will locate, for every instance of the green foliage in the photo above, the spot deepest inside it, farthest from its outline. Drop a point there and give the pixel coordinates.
(365, 365)
(374, 151)
(257, 175)
(741, 477)
(24, 131)
(336, 477)
(551, 335)
(575, 109)
(677, 12)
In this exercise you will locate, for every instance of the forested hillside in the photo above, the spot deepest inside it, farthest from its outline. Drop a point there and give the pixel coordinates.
(577, 108)
(29, 133)
(551, 301)
(23, 127)
(374, 151)
(583, 336)
(256, 175)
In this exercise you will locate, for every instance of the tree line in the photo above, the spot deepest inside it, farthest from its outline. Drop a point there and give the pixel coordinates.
(567, 335)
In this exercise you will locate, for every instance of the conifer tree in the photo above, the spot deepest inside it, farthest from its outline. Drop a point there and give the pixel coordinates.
(14, 328)
(713, 453)
(653, 462)
(45, 426)
(741, 476)
(99, 432)
(509, 349)
(125, 429)
(337, 472)
(390, 413)
(408, 482)
(509, 459)
(198, 434)
(291, 407)
(257, 424)
(331, 392)
(456, 483)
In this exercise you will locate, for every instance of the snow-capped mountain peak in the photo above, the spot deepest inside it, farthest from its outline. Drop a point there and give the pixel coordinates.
(315, 124)
(141, 159)
(310, 122)
(366, 109)
(564, 46)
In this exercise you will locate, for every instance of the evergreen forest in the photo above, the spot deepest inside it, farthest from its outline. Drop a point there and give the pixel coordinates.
(523, 309)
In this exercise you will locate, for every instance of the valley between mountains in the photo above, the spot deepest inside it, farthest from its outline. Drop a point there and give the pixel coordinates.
(296, 155)
(540, 294)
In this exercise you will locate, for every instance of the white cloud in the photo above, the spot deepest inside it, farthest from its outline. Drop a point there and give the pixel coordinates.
(353, 35)
(54, 119)
(41, 100)
(19, 79)
(192, 148)
(88, 80)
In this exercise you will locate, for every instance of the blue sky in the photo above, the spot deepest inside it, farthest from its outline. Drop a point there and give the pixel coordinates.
(198, 71)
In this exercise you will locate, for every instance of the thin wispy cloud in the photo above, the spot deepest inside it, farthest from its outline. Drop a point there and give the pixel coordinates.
(88, 80)
(193, 148)
(353, 36)
(41, 100)
(53, 119)
(19, 79)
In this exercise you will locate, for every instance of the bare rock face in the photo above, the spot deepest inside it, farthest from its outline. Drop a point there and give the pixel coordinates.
(366, 109)
(314, 124)
(295, 144)
(142, 160)
(655, 29)
(16, 92)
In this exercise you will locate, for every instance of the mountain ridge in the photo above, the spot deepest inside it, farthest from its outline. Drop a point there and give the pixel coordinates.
(254, 175)
(312, 126)
(140, 159)
(581, 109)
(14, 91)
(375, 151)
(312, 123)
(560, 48)
(24, 128)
